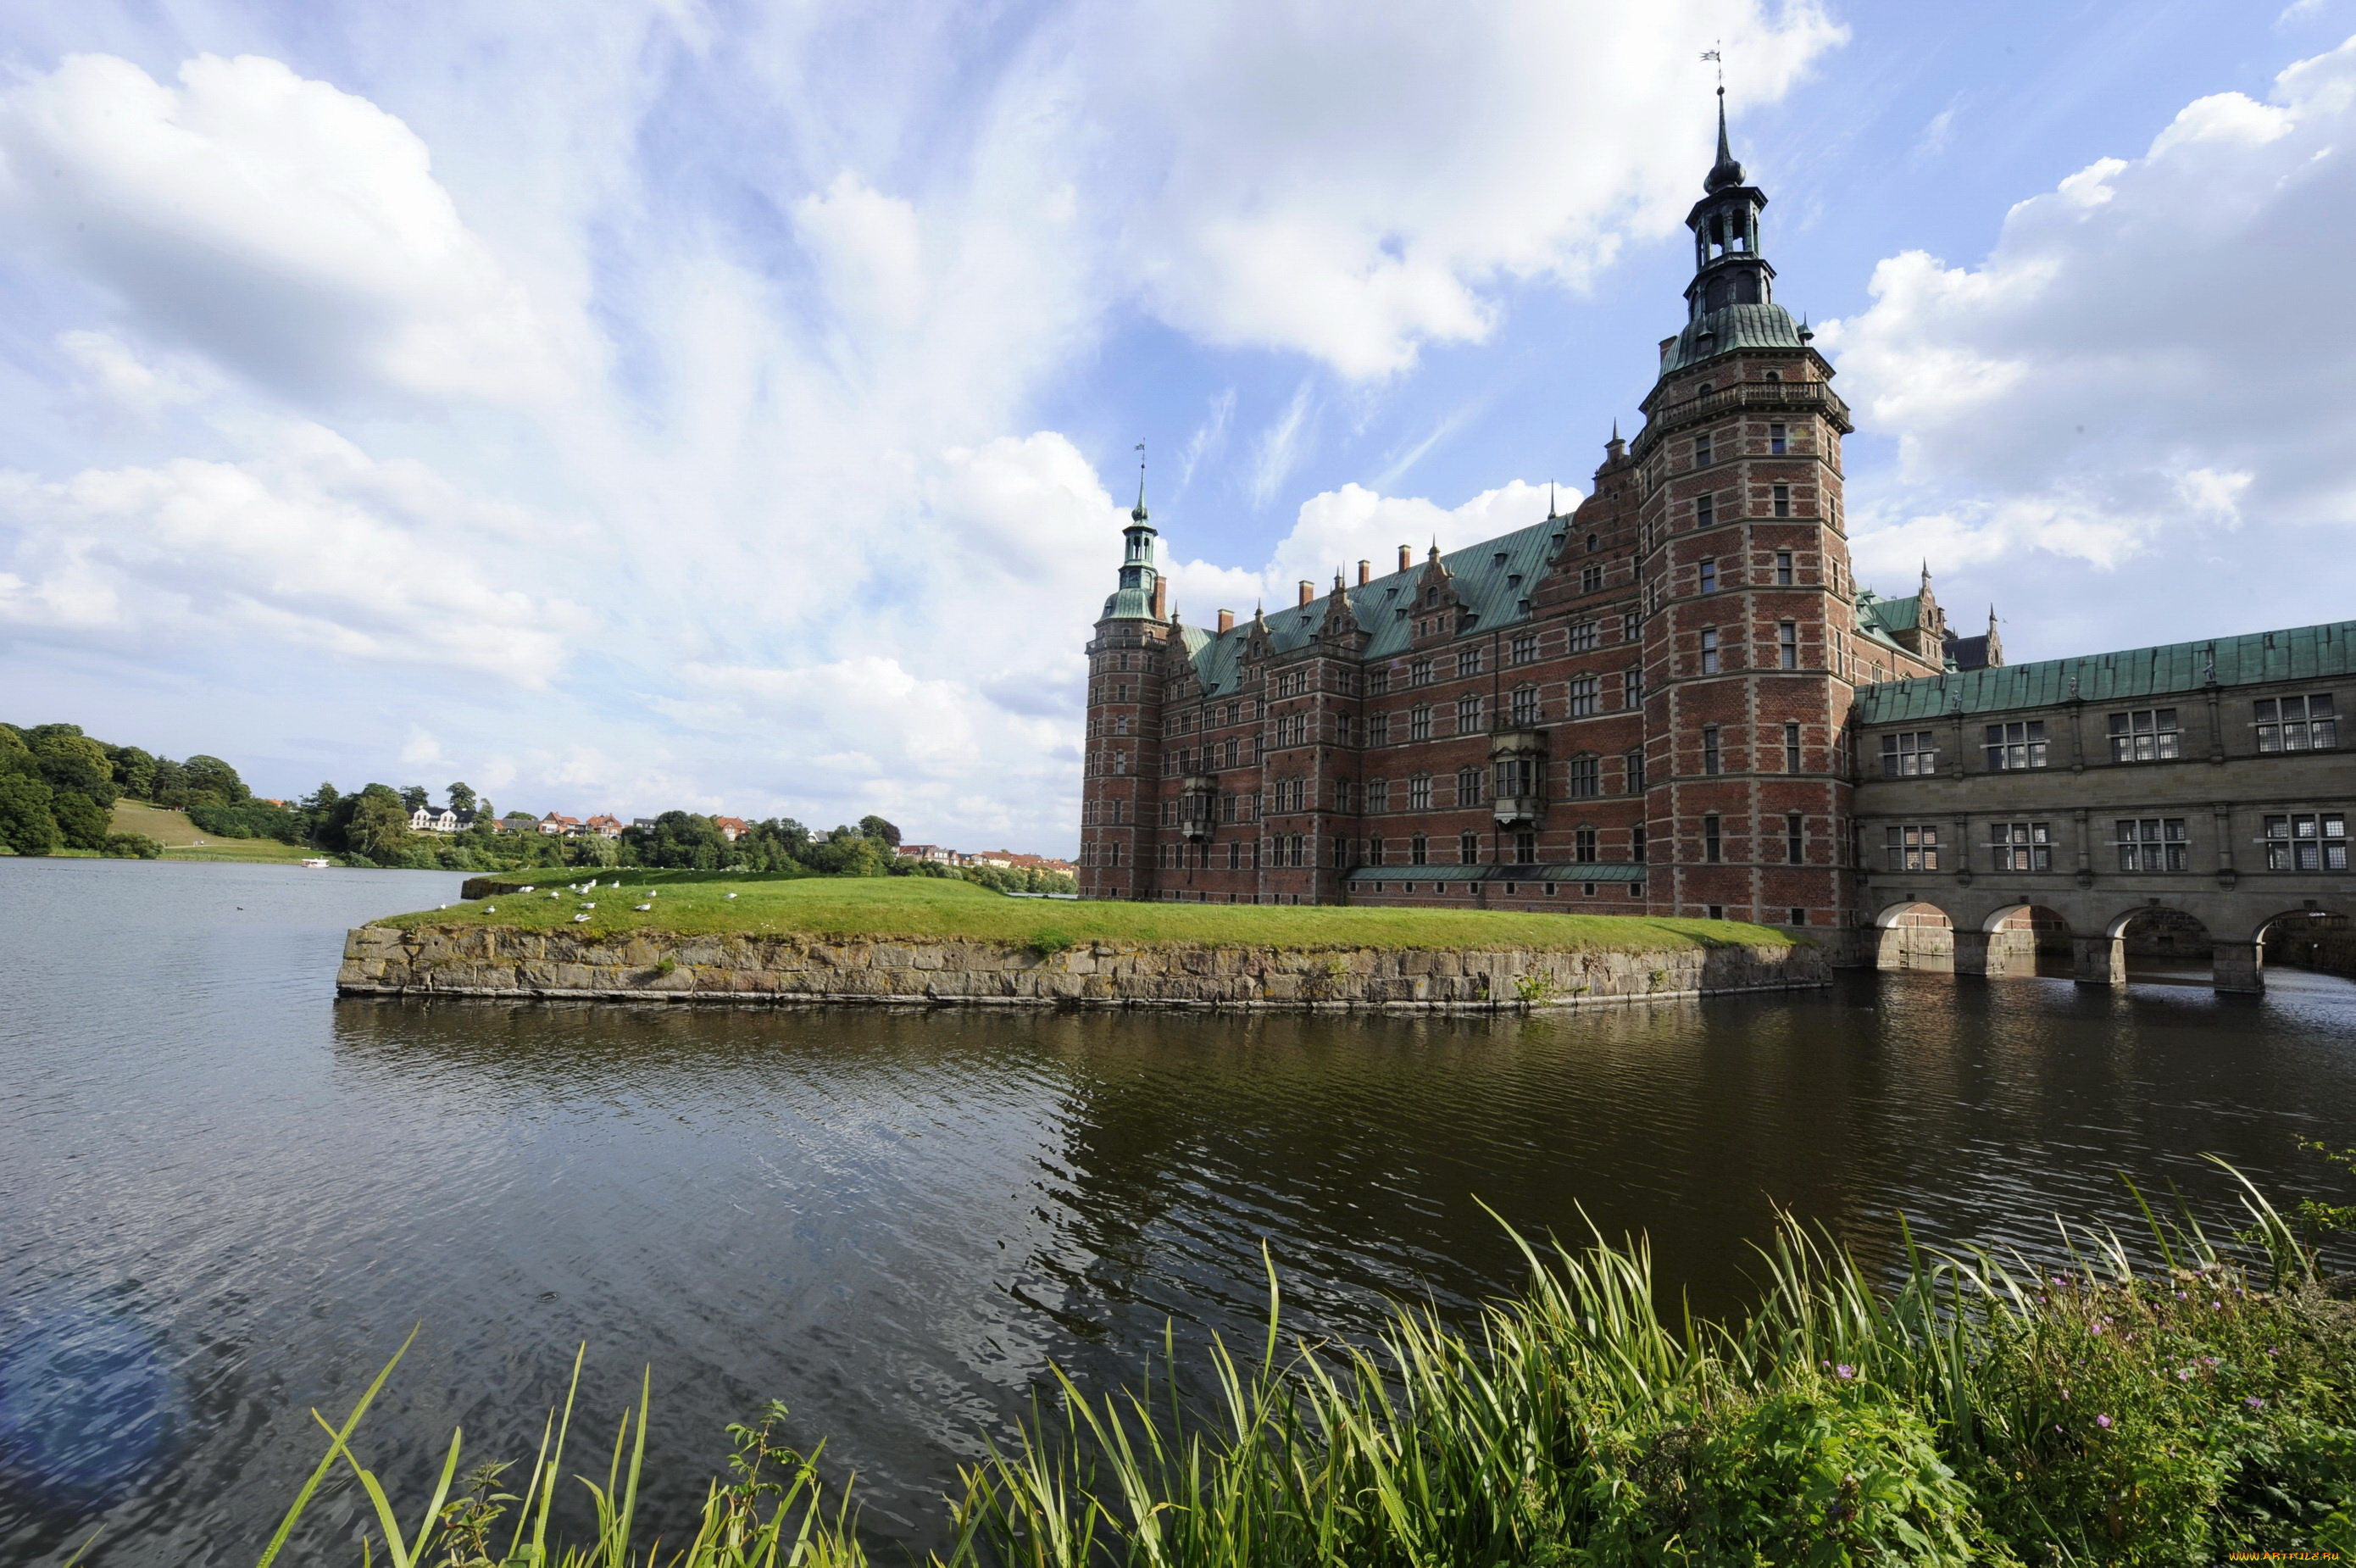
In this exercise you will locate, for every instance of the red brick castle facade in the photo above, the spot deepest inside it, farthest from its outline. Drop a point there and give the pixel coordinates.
(1641, 706)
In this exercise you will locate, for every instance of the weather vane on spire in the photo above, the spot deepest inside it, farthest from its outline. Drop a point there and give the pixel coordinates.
(1717, 52)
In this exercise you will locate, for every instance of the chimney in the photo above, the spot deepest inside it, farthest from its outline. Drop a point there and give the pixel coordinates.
(1226, 620)
(1666, 344)
(1307, 590)
(1405, 562)
(1366, 573)
(1161, 598)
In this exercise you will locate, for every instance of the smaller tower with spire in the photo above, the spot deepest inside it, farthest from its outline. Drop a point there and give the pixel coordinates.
(1727, 267)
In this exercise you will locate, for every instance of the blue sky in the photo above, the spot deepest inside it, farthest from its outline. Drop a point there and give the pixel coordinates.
(733, 406)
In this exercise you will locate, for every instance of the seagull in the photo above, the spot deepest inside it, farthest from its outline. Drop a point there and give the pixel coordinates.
(580, 919)
(731, 895)
(642, 906)
(588, 906)
(491, 908)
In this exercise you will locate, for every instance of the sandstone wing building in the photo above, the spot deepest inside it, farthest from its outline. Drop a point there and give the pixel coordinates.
(1676, 699)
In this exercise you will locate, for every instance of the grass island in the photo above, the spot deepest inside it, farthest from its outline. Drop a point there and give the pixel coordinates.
(717, 935)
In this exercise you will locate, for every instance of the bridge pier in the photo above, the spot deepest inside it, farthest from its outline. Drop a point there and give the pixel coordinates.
(1973, 955)
(2238, 966)
(2100, 960)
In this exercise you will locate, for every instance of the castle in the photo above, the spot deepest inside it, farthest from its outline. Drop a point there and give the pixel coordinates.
(1677, 699)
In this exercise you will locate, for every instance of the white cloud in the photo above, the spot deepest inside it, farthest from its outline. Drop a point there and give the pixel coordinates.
(282, 226)
(1350, 182)
(2139, 358)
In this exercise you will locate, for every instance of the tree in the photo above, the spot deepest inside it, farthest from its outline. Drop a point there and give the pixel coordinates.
(76, 763)
(171, 785)
(678, 838)
(415, 797)
(211, 775)
(82, 821)
(877, 828)
(379, 828)
(134, 772)
(27, 824)
(461, 799)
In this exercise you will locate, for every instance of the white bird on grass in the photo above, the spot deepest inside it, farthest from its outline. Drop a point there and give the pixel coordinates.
(580, 919)
(642, 906)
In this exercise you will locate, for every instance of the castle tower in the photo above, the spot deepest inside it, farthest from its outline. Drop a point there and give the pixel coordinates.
(1746, 591)
(1119, 799)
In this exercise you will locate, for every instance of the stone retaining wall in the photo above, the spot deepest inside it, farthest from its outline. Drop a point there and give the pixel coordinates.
(476, 961)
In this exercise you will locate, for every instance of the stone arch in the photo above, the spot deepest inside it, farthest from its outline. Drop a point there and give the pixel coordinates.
(2018, 938)
(2308, 937)
(2162, 937)
(1914, 934)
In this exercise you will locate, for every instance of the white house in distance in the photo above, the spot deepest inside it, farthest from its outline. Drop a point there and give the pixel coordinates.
(427, 819)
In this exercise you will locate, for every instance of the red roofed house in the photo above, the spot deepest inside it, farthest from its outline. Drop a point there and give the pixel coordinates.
(731, 828)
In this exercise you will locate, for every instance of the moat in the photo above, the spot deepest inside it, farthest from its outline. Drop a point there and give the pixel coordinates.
(225, 1195)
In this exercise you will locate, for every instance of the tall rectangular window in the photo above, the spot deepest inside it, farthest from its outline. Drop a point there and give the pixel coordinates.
(2012, 746)
(2297, 723)
(1701, 451)
(1418, 849)
(1419, 724)
(1632, 687)
(1419, 792)
(1582, 845)
(1709, 840)
(1787, 645)
(1704, 512)
(1782, 568)
(1525, 706)
(2144, 735)
(1378, 681)
(1525, 646)
(2151, 844)
(1378, 729)
(1591, 578)
(1630, 625)
(1586, 776)
(1775, 441)
(1468, 849)
(1782, 499)
(2020, 846)
(1709, 653)
(1631, 768)
(1378, 794)
(1584, 636)
(1468, 714)
(1709, 750)
(2308, 841)
(1796, 848)
(1636, 845)
(1911, 848)
(1468, 786)
(1582, 696)
(1375, 850)
(1419, 672)
(1708, 572)
(1468, 662)
(1914, 755)
(1791, 762)
(1525, 848)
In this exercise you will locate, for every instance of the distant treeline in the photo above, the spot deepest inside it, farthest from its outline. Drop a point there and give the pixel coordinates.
(58, 787)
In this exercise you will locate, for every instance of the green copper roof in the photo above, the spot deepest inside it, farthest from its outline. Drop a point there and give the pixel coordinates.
(1730, 327)
(1493, 581)
(2303, 653)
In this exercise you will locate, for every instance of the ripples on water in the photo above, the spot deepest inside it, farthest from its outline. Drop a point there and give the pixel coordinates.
(226, 1197)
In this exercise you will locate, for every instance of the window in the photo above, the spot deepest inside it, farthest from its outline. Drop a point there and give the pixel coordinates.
(1586, 776)
(1378, 681)
(1418, 849)
(1378, 794)
(1709, 840)
(1375, 850)
(1791, 746)
(1468, 786)
(1525, 848)
(1468, 849)
(2146, 735)
(1525, 649)
(1592, 542)
(1419, 672)
(2152, 843)
(1781, 495)
(1419, 724)
(1235, 853)
(1582, 696)
(1120, 725)
(1709, 750)
(1782, 568)
(1636, 843)
(2020, 846)
(1300, 849)
(1787, 645)
(2308, 842)
(1776, 443)
(1378, 729)
(1704, 512)
(1583, 847)
(1584, 636)
(2297, 723)
(1590, 579)
(1468, 714)
(2016, 745)
(1632, 687)
(1709, 653)
(1912, 756)
(1710, 577)
(1631, 768)
(1419, 792)
(1630, 624)
(1525, 706)
(1469, 662)
(1911, 848)
(1701, 449)
(1796, 848)
(1517, 777)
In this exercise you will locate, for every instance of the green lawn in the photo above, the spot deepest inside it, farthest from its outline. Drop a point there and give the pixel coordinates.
(183, 840)
(697, 904)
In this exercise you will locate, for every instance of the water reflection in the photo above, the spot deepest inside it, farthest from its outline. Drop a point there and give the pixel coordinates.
(892, 1221)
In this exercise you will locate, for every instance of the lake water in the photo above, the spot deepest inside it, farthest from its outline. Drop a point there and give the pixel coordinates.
(225, 1197)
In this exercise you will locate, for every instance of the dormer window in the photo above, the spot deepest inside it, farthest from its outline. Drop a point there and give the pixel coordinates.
(1592, 542)
(1431, 595)
(1499, 559)
(1514, 580)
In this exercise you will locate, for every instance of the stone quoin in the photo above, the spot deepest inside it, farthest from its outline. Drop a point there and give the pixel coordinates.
(1677, 699)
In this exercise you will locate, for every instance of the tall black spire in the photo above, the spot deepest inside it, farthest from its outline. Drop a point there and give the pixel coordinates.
(1726, 171)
